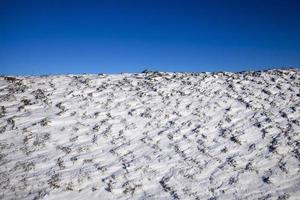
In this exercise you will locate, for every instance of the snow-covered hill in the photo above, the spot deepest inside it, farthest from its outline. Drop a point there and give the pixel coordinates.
(151, 136)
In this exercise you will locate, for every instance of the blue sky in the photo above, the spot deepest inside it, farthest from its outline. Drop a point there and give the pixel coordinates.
(74, 36)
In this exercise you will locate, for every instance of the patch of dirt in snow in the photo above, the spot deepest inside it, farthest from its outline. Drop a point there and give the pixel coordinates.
(151, 136)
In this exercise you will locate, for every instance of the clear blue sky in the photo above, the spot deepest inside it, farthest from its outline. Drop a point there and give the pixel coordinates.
(73, 36)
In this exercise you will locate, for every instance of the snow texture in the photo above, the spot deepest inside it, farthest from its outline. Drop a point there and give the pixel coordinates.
(151, 135)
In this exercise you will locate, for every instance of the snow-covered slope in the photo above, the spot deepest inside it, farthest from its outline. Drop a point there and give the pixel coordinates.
(151, 136)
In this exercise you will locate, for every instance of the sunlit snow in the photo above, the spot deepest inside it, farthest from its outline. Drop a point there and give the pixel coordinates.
(151, 136)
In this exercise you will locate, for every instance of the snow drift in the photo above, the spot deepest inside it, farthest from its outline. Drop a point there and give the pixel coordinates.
(151, 136)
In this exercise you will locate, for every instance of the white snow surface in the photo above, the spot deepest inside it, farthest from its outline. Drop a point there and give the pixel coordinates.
(151, 135)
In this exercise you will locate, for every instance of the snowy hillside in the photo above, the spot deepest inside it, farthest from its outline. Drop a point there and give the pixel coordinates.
(151, 136)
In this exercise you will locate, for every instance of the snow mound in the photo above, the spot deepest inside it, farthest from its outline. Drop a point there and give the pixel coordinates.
(151, 136)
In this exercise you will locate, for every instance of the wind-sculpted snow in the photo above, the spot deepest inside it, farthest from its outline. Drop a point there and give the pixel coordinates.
(151, 136)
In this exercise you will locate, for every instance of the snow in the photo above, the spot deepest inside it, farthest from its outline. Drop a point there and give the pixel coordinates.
(152, 135)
